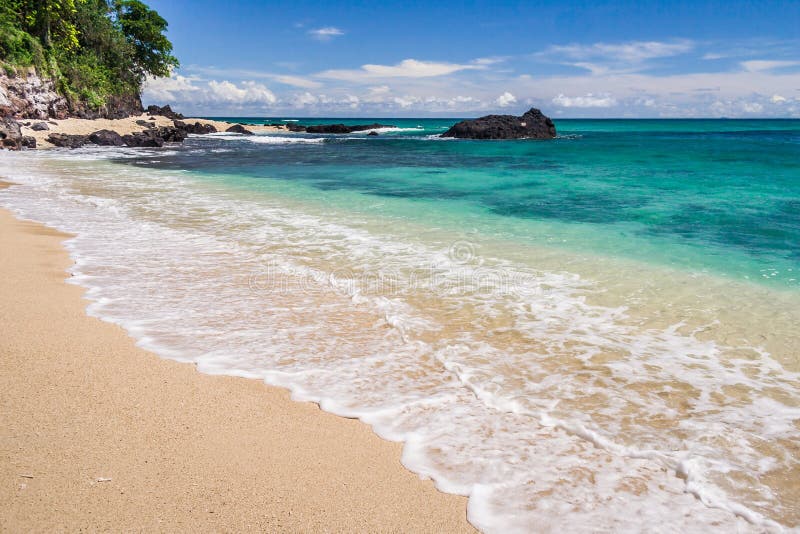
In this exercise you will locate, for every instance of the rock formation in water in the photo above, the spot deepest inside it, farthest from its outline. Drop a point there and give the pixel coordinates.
(238, 128)
(532, 125)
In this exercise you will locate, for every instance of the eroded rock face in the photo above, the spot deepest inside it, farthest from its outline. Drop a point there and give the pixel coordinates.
(532, 125)
(10, 134)
(27, 95)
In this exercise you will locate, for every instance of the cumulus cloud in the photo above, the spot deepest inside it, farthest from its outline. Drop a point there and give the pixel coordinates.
(778, 99)
(752, 107)
(506, 99)
(166, 89)
(325, 34)
(408, 68)
(247, 93)
(588, 101)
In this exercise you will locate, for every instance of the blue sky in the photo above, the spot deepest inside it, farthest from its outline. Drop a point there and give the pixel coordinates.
(571, 59)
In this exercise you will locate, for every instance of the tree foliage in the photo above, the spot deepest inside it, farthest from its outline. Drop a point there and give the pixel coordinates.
(95, 48)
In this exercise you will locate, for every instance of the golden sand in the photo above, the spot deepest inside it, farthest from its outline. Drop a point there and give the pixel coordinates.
(96, 434)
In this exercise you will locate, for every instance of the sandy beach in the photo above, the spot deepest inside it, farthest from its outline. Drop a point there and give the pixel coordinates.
(96, 434)
(74, 126)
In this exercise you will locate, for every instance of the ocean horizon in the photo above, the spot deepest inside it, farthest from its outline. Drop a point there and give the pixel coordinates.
(597, 331)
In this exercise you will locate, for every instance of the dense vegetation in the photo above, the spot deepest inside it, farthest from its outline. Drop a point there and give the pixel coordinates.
(93, 48)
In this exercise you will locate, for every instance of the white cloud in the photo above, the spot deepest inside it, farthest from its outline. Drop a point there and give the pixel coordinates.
(759, 65)
(164, 89)
(325, 34)
(588, 101)
(506, 99)
(408, 68)
(752, 107)
(405, 101)
(248, 93)
(297, 81)
(632, 51)
(304, 99)
(778, 99)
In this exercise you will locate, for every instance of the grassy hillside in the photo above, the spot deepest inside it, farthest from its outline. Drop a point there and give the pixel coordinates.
(96, 50)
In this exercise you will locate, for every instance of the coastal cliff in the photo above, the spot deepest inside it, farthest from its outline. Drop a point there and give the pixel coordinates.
(25, 94)
(79, 59)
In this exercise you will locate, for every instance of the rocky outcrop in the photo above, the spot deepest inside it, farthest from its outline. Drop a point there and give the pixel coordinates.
(67, 140)
(343, 128)
(144, 139)
(196, 128)
(532, 125)
(152, 137)
(164, 111)
(116, 107)
(238, 128)
(10, 134)
(28, 141)
(106, 138)
(39, 126)
(29, 96)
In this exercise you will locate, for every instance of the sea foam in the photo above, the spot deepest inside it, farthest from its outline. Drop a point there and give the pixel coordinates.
(548, 411)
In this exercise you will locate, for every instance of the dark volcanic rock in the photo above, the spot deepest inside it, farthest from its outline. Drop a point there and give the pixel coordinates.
(147, 138)
(196, 128)
(142, 122)
(106, 138)
(344, 129)
(294, 127)
(39, 126)
(532, 125)
(155, 137)
(170, 134)
(165, 111)
(28, 142)
(67, 141)
(373, 133)
(10, 134)
(238, 128)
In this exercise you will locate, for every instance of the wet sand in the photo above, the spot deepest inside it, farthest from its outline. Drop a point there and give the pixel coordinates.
(97, 434)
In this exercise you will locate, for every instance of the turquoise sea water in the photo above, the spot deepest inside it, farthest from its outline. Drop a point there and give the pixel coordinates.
(591, 333)
(718, 195)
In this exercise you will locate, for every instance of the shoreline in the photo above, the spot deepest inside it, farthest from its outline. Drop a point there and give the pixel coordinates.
(75, 126)
(100, 434)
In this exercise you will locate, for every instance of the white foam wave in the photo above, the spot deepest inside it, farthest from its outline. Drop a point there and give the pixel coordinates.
(533, 402)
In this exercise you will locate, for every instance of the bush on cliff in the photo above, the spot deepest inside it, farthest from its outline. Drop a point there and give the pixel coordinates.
(97, 50)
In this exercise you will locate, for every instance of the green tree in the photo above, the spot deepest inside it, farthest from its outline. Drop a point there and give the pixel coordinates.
(144, 28)
(52, 21)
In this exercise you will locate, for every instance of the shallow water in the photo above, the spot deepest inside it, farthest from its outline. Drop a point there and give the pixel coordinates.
(593, 333)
